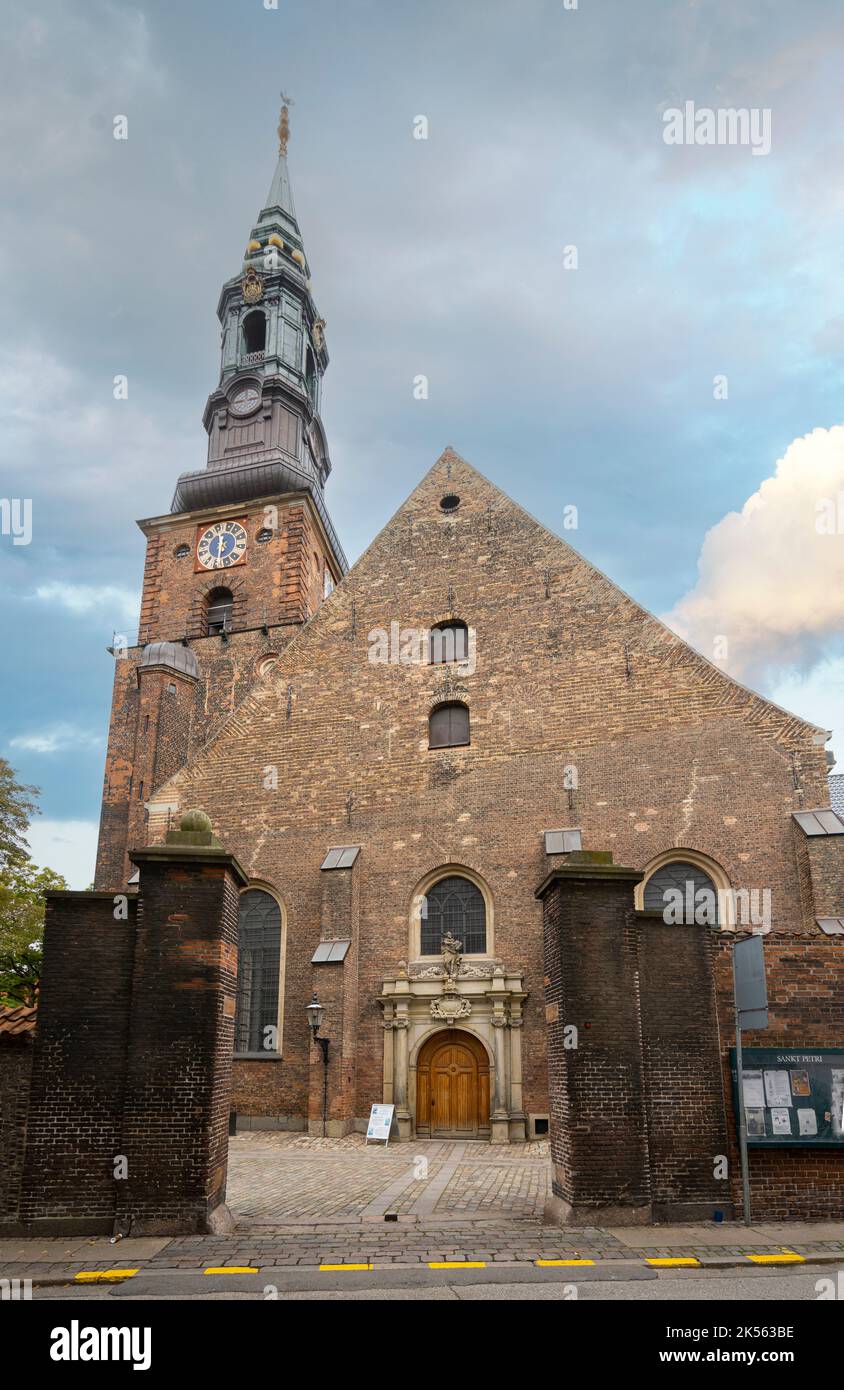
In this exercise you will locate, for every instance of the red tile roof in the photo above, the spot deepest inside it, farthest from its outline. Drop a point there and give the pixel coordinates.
(17, 1023)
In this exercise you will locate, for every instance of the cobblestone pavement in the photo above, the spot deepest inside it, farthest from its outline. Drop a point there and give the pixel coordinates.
(277, 1178)
(322, 1203)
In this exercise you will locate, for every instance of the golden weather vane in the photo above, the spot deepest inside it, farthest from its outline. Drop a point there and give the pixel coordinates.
(284, 123)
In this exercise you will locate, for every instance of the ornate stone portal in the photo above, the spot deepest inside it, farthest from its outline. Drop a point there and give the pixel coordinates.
(482, 999)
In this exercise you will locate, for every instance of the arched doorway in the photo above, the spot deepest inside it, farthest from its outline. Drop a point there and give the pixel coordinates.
(452, 1087)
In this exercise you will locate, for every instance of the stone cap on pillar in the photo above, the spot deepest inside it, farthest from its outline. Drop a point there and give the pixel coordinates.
(591, 864)
(195, 840)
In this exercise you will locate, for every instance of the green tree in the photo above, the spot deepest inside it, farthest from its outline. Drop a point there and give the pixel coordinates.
(22, 889)
(18, 804)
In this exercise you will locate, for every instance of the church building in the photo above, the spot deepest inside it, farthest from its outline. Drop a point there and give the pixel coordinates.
(411, 757)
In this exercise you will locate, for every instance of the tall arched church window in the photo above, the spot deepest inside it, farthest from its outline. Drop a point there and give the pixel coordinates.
(219, 610)
(258, 973)
(448, 642)
(682, 892)
(448, 726)
(455, 905)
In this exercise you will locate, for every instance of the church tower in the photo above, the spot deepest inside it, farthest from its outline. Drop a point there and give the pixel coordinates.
(247, 552)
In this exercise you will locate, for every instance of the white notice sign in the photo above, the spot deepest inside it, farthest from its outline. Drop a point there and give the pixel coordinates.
(777, 1088)
(380, 1122)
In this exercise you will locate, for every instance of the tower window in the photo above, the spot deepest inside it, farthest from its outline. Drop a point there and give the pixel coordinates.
(448, 726)
(254, 333)
(448, 642)
(220, 603)
(455, 905)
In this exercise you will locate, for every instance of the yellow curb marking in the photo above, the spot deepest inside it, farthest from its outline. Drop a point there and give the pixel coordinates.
(232, 1269)
(344, 1267)
(547, 1264)
(674, 1260)
(785, 1257)
(457, 1264)
(91, 1276)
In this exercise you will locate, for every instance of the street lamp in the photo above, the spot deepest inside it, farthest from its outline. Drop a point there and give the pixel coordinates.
(315, 1012)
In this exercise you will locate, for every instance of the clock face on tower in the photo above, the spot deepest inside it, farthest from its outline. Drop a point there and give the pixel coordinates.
(221, 545)
(247, 399)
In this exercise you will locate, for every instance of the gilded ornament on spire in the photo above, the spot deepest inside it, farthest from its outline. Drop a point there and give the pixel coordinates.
(284, 124)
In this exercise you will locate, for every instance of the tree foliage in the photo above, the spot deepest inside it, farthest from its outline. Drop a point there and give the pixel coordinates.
(22, 889)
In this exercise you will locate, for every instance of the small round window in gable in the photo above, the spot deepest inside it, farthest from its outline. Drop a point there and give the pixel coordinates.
(450, 502)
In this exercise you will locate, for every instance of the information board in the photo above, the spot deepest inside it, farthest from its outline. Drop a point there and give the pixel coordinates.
(380, 1122)
(793, 1097)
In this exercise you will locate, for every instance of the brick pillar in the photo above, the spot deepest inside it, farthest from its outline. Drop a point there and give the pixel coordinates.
(73, 1130)
(181, 1035)
(599, 1145)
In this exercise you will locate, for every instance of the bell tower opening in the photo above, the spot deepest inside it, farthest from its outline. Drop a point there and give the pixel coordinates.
(219, 610)
(254, 332)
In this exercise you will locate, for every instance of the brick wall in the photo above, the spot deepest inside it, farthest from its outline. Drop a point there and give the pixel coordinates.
(806, 1007)
(15, 1073)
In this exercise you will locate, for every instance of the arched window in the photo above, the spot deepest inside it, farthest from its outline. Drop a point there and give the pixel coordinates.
(682, 892)
(448, 642)
(254, 333)
(453, 905)
(258, 972)
(448, 726)
(219, 609)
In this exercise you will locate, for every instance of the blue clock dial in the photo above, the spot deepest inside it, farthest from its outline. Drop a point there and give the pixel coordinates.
(221, 546)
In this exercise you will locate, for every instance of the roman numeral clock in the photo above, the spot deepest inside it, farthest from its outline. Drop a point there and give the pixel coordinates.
(221, 545)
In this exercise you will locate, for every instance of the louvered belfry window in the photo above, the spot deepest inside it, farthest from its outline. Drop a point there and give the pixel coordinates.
(453, 905)
(691, 882)
(258, 968)
(448, 726)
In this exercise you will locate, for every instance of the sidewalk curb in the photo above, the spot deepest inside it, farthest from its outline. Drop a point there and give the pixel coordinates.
(568, 1268)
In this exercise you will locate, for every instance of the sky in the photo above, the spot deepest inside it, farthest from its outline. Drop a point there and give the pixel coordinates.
(650, 332)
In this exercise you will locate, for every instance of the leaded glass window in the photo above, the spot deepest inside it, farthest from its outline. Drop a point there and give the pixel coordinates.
(453, 905)
(683, 893)
(258, 969)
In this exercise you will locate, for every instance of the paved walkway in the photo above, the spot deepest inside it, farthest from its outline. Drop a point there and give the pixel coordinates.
(320, 1204)
(275, 1178)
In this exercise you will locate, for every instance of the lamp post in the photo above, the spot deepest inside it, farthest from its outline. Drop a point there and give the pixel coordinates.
(315, 1012)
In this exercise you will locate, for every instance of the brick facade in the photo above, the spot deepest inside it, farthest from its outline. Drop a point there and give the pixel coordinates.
(669, 754)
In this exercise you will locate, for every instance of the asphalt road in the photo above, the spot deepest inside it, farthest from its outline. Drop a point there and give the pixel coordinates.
(503, 1284)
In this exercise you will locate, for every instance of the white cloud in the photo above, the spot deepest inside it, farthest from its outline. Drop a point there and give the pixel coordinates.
(87, 598)
(770, 578)
(67, 846)
(57, 738)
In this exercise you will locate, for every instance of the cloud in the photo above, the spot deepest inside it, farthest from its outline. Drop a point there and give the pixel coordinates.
(88, 598)
(67, 846)
(771, 577)
(58, 738)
